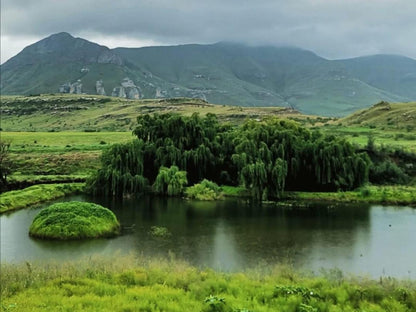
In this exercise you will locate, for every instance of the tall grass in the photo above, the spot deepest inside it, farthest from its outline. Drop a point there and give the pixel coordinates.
(137, 284)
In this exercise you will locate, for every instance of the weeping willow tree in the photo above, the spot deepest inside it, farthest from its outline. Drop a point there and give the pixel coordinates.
(170, 181)
(267, 157)
(121, 171)
(277, 155)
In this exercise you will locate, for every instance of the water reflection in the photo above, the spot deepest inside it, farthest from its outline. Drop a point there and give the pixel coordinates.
(233, 235)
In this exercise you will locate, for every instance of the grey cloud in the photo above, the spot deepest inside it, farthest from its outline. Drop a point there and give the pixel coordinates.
(331, 28)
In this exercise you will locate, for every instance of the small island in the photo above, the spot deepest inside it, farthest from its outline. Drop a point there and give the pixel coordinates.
(74, 220)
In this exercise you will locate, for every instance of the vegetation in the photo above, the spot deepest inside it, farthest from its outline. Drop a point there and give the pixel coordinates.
(206, 190)
(93, 115)
(5, 164)
(160, 231)
(170, 181)
(393, 195)
(384, 114)
(128, 284)
(13, 200)
(267, 157)
(74, 220)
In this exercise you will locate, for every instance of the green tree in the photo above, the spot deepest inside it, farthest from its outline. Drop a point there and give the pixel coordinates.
(5, 164)
(170, 181)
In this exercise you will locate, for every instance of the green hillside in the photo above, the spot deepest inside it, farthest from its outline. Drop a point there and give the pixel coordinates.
(384, 115)
(71, 112)
(222, 73)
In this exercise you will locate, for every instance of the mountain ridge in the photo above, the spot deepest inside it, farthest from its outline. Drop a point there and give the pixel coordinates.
(223, 73)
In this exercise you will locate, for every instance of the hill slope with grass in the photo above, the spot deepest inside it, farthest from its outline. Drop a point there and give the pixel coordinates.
(384, 115)
(72, 112)
(223, 73)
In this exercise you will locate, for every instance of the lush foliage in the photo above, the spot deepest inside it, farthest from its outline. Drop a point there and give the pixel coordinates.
(5, 164)
(74, 220)
(267, 157)
(128, 284)
(206, 190)
(121, 172)
(32, 195)
(170, 181)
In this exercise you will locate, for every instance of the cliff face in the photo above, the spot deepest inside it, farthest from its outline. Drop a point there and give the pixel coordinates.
(127, 89)
(99, 87)
(73, 88)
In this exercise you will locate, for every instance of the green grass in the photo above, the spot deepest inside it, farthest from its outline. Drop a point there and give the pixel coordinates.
(74, 220)
(398, 116)
(36, 194)
(24, 142)
(51, 156)
(396, 195)
(392, 138)
(130, 284)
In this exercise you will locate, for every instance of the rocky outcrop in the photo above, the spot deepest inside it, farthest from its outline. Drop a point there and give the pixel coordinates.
(99, 87)
(127, 90)
(119, 92)
(74, 88)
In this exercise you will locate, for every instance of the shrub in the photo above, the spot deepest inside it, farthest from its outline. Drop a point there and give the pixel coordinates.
(387, 172)
(74, 220)
(206, 190)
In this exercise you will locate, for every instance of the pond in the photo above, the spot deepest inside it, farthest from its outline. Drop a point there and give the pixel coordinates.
(233, 235)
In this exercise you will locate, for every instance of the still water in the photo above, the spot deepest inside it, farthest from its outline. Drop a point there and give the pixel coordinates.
(233, 235)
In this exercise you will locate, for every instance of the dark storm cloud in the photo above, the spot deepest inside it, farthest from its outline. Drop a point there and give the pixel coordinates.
(331, 28)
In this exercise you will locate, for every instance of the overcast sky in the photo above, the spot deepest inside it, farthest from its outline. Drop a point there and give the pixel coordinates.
(331, 28)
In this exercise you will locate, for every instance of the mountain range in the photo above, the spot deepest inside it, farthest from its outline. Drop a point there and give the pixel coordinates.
(221, 73)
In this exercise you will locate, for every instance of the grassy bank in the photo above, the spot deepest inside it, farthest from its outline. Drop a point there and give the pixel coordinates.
(394, 195)
(36, 194)
(128, 284)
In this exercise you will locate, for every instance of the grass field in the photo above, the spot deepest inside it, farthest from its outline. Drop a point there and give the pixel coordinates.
(131, 284)
(26, 142)
(92, 113)
(391, 138)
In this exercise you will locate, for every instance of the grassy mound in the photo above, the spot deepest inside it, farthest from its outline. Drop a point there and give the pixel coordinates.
(74, 220)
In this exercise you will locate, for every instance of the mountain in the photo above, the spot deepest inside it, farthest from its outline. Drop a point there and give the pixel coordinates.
(223, 73)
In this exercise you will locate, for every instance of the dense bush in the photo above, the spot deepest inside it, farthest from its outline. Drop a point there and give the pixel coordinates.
(206, 190)
(74, 220)
(387, 172)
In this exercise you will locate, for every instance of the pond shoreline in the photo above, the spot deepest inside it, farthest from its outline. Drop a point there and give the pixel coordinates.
(386, 195)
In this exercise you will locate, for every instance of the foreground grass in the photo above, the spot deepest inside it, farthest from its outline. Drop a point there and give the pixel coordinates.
(36, 194)
(395, 195)
(129, 284)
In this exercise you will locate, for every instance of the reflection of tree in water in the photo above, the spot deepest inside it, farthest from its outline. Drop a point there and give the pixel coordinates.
(234, 232)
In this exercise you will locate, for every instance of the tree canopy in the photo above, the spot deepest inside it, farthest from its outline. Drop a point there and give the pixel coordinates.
(267, 157)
